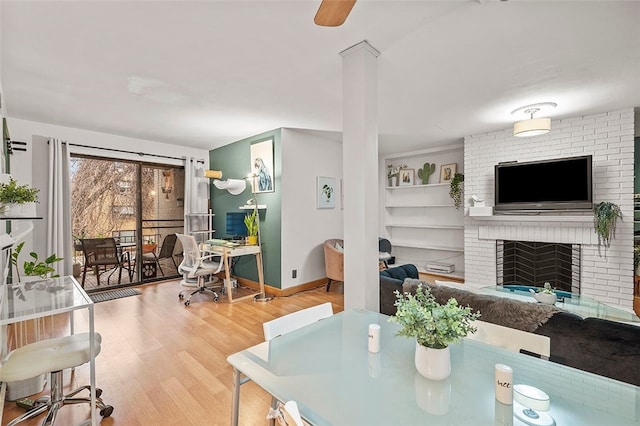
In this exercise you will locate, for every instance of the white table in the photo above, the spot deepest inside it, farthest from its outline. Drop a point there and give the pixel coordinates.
(30, 300)
(326, 368)
(230, 250)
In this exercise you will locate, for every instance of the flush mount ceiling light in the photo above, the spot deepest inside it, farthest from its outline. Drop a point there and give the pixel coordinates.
(533, 126)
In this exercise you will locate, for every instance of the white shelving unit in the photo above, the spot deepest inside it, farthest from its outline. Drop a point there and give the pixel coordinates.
(420, 220)
(199, 225)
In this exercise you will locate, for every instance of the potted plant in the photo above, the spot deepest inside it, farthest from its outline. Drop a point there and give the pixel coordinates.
(17, 200)
(251, 222)
(605, 217)
(434, 327)
(545, 295)
(35, 267)
(455, 191)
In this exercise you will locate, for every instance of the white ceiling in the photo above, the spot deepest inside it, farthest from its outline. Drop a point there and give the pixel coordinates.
(208, 73)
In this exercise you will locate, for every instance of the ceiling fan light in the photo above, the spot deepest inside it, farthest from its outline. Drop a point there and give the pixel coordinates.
(532, 127)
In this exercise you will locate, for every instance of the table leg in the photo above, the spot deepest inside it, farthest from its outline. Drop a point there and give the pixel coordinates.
(262, 296)
(227, 272)
(235, 402)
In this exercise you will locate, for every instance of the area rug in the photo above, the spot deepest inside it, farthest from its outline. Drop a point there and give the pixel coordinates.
(113, 294)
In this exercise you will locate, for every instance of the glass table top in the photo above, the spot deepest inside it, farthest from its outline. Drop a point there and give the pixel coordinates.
(580, 305)
(327, 369)
(28, 300)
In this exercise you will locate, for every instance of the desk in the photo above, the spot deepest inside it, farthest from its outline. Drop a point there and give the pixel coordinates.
(325, 367)
(229, 250)
(30, 300)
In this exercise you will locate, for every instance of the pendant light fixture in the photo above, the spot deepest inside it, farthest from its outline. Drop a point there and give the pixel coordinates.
(532, 126)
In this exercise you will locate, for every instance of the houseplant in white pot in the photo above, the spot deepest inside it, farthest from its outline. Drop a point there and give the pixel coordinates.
(545, 295)
(434, 327)
(17, 200)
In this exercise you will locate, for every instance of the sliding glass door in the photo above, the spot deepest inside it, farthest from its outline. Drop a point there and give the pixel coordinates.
(137, 205)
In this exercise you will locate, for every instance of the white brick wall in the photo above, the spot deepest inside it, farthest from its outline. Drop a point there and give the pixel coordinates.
(608, 138)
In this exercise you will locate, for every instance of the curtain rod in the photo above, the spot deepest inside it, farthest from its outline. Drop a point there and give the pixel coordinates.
(141, 154)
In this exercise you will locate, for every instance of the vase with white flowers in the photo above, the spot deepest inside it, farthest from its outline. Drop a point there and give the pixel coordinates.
(434, 326)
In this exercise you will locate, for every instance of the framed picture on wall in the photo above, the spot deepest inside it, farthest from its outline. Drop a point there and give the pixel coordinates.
(262, 166)
(326, 192)
(447, 171)
(406, 177)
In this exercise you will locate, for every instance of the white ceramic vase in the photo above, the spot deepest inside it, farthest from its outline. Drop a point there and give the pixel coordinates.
(546, 298)
(433, 364)
(18, 210)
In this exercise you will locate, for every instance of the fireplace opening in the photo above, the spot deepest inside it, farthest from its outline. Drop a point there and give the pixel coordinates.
(532, 263)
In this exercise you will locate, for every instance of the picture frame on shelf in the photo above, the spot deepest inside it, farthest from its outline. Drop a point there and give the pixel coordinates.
(406, 177)
(447, 171)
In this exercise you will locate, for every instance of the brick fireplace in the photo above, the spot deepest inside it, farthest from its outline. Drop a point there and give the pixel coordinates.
(533, 263)
(609, 138)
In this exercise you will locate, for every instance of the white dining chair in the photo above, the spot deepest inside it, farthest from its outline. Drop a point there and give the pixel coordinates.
(511, 339)
(295, 320)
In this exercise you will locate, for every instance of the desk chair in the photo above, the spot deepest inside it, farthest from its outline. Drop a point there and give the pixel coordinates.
(512, 339)
(104, 253)
(166, 252)
(53, 356)
(384, 252)
(293, 321)
(196, 266)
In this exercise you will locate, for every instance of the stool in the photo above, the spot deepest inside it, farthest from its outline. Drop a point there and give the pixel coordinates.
(53, 356)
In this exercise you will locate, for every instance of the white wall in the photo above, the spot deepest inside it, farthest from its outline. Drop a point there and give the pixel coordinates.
(304, 227)
(31, 167)
(608, 137)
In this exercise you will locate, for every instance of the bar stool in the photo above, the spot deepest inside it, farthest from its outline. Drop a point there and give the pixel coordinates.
(52, 356)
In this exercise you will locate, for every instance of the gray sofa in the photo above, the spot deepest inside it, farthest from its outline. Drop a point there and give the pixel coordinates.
(603, 347)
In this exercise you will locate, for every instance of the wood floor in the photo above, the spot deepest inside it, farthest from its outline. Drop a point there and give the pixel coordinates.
(165, 364)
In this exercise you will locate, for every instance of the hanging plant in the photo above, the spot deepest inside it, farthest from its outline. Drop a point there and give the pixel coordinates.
(605, 216)
(455, 192)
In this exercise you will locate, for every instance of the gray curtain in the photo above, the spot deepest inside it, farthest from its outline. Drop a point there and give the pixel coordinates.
(59, 239)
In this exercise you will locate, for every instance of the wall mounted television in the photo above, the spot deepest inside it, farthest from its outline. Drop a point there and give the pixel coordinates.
(555, 184)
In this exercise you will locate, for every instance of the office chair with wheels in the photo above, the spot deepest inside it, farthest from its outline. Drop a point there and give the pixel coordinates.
(195, 267)
(53, 356)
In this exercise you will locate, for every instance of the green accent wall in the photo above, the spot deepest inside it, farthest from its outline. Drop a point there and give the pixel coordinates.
(234, 160)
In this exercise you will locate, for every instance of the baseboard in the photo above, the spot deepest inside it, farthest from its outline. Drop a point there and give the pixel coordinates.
(277, 292)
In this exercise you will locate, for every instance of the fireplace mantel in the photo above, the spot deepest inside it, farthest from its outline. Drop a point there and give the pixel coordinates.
(534, 218)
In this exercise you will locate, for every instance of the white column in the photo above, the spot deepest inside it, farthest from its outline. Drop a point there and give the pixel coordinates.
(360, 174)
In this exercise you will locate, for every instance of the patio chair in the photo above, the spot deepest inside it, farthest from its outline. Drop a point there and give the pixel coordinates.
(103, 255)
(166, 252)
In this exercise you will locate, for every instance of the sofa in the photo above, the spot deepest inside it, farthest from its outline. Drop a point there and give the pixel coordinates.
(334, 260)
(603, 347)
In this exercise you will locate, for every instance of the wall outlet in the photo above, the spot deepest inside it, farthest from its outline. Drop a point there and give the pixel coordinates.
(294, 273)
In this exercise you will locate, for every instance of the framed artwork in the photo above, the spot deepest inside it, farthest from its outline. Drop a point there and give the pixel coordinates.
(406, 177)
(262, 166)
(447, 171)
(326, 192)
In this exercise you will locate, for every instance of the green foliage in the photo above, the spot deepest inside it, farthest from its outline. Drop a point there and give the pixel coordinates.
(426, 171)
(433, 325)
(20, 194)
(547, 289)
(455, 191)
(42, 269)
(251, 222)
(605, 217)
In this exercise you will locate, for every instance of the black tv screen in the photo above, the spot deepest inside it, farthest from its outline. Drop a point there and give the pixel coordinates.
(557, 184)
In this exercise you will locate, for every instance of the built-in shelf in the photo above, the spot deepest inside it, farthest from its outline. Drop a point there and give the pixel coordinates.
(408, 225)
(430, 185)
(417, 245)
(533, 218)
(397, 206)
(251, 207)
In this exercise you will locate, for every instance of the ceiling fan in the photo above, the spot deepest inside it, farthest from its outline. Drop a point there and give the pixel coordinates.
(333, 13)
